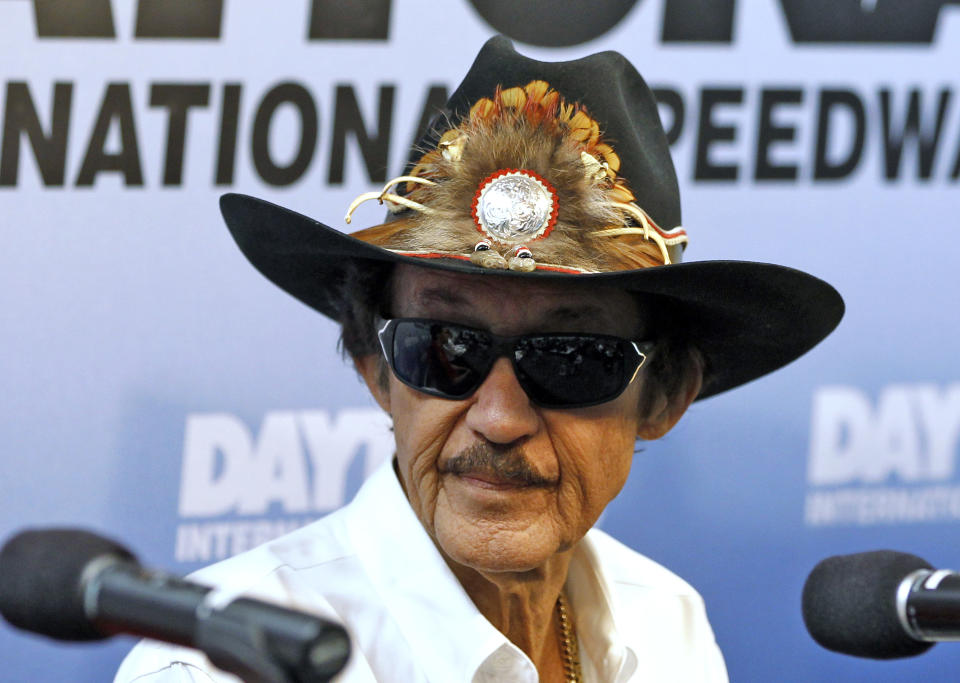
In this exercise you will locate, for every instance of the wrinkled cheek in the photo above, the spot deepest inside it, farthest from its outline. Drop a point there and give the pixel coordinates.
(420, 439)
(620, 441)
(592, 477)
(616, 469)
(580, 505)
(418, 467)
(573, 511)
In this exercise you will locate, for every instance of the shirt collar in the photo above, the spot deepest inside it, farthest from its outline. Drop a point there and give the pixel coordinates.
(602, 648)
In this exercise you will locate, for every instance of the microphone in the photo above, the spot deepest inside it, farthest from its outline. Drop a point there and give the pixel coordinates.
(70, 584)
(881, 604)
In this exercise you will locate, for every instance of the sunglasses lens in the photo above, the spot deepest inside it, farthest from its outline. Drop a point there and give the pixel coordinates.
(566, 371)
(555, 370)
(445, 360)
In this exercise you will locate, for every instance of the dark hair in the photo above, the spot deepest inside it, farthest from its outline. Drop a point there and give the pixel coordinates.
(366, 292)
(675, 354)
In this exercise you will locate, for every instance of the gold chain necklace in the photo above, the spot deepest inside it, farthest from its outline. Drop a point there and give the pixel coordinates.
(568, 642)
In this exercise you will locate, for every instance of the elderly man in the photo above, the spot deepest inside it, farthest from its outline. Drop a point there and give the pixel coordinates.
(523, 318)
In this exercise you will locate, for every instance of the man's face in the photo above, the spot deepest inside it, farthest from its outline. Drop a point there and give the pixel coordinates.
(453, 454)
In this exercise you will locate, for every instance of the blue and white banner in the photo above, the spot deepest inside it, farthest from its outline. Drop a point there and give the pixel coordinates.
(158, 390)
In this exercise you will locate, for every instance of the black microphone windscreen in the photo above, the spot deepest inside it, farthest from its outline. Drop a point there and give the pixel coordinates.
(850, 606)
(40, 580)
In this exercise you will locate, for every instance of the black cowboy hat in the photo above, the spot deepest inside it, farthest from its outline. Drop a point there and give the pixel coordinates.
(747, 318)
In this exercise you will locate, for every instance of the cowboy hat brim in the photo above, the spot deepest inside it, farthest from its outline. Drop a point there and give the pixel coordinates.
(748, 318)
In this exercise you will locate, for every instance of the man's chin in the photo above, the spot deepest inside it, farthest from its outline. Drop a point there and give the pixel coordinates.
(498, 553)
(497, 565)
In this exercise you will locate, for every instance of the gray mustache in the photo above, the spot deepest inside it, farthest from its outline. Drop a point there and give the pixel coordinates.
(509, 464)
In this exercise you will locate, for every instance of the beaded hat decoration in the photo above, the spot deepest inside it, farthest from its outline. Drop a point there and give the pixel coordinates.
(525, 182)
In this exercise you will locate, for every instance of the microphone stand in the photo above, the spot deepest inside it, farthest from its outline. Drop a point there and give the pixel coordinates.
(245, 638)
(282, 651)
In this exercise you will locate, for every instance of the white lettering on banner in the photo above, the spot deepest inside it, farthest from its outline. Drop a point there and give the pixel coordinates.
(907, 441)
(332, 447)
(212, 541)
(216, 454)
(226, 471)
(912, 434)
(882, 505)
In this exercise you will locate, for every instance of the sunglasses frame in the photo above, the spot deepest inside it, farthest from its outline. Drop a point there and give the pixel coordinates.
(505, 347)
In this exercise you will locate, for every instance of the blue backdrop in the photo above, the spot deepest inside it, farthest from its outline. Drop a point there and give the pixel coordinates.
(158, 390)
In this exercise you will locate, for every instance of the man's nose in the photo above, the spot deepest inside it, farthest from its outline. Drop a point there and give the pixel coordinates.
(501, 411)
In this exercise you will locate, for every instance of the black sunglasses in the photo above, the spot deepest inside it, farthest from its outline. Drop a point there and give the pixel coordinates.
(559, 370)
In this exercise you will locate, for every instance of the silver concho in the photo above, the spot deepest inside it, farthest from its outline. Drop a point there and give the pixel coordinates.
(515, 205)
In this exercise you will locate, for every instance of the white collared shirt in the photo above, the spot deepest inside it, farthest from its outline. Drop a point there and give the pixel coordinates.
(372, 567)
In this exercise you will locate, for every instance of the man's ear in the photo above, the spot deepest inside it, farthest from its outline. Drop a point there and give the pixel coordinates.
(371, 369)
(666, 408)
